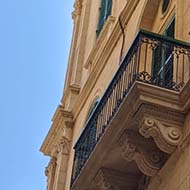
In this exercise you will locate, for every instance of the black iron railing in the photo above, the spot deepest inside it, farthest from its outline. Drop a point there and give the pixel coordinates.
(152, 59)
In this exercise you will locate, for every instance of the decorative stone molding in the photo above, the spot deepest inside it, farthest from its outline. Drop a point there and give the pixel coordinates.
(64, 145)
(50, 166)
(172, 116)
(102, 182)
(166, 137)
(50, 172)
(62, 150)
(144, 152)
(109, 179)
(77, 9)
(61, 126)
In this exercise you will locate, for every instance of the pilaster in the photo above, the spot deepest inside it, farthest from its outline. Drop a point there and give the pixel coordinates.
(70, 82)
(50, 173)
(63, 150)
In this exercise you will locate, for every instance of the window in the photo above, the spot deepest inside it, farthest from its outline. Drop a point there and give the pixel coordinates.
(95, 103)
(105, 11)
(165, 4)
(163, 58)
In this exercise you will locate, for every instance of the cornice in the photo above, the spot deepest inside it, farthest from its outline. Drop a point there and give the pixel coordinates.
(178, 101)
(73, 88)
(60, 118)
(101, 58)
(185, 98)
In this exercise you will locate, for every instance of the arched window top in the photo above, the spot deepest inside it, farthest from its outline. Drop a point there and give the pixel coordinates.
(165, 4)
(105, 11)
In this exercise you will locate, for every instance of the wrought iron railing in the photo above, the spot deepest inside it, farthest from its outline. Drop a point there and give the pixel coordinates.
(152, 59)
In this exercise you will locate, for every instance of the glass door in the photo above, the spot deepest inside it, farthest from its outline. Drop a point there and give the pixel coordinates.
(162, 71)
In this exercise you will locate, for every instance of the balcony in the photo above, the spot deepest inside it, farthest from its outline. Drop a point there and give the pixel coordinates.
(138, 122)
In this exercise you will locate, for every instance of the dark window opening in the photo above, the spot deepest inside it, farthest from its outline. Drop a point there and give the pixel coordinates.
(163, 59)
(165, 4)
(105, 11)
(93, 107)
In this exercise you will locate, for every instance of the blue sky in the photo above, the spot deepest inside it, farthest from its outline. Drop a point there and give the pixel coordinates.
(35, 38)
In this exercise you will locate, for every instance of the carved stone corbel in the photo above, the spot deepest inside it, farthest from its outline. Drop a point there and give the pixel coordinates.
(144, 152)
(109, 179)
(166, 137)
(64, 145)
(102, 181)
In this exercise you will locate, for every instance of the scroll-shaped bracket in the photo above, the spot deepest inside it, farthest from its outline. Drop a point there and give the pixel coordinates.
(144, 152)
(166, 137)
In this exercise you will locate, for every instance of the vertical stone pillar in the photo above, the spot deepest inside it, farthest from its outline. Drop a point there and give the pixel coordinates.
(62, 161)
(50, 173)
(76, 15)
(72, 57)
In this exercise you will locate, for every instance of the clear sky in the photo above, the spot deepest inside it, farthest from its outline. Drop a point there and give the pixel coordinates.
(35, 38)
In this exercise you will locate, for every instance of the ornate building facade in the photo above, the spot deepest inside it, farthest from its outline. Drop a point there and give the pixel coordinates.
(124, 119)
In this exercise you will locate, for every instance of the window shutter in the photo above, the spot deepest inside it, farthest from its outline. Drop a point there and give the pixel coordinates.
(109, 7)
(105, 11)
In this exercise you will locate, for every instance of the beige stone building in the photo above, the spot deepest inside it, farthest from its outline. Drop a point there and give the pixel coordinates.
(124, 119)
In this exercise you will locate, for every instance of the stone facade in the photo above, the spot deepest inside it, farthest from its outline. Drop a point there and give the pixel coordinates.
(151, 146)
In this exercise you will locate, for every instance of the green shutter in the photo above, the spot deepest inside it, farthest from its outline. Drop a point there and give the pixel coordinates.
(105, 11)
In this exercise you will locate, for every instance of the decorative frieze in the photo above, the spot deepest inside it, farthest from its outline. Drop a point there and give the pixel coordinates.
(144, 152)
(62, 150)
(166, 136)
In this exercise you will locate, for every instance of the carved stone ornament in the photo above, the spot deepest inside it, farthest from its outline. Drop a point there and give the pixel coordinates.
(109, 179)
(64, 145)
(48, 169)
(143, 182)
(101, 181)
(166, 137)
(144, 152)
(77, 8)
